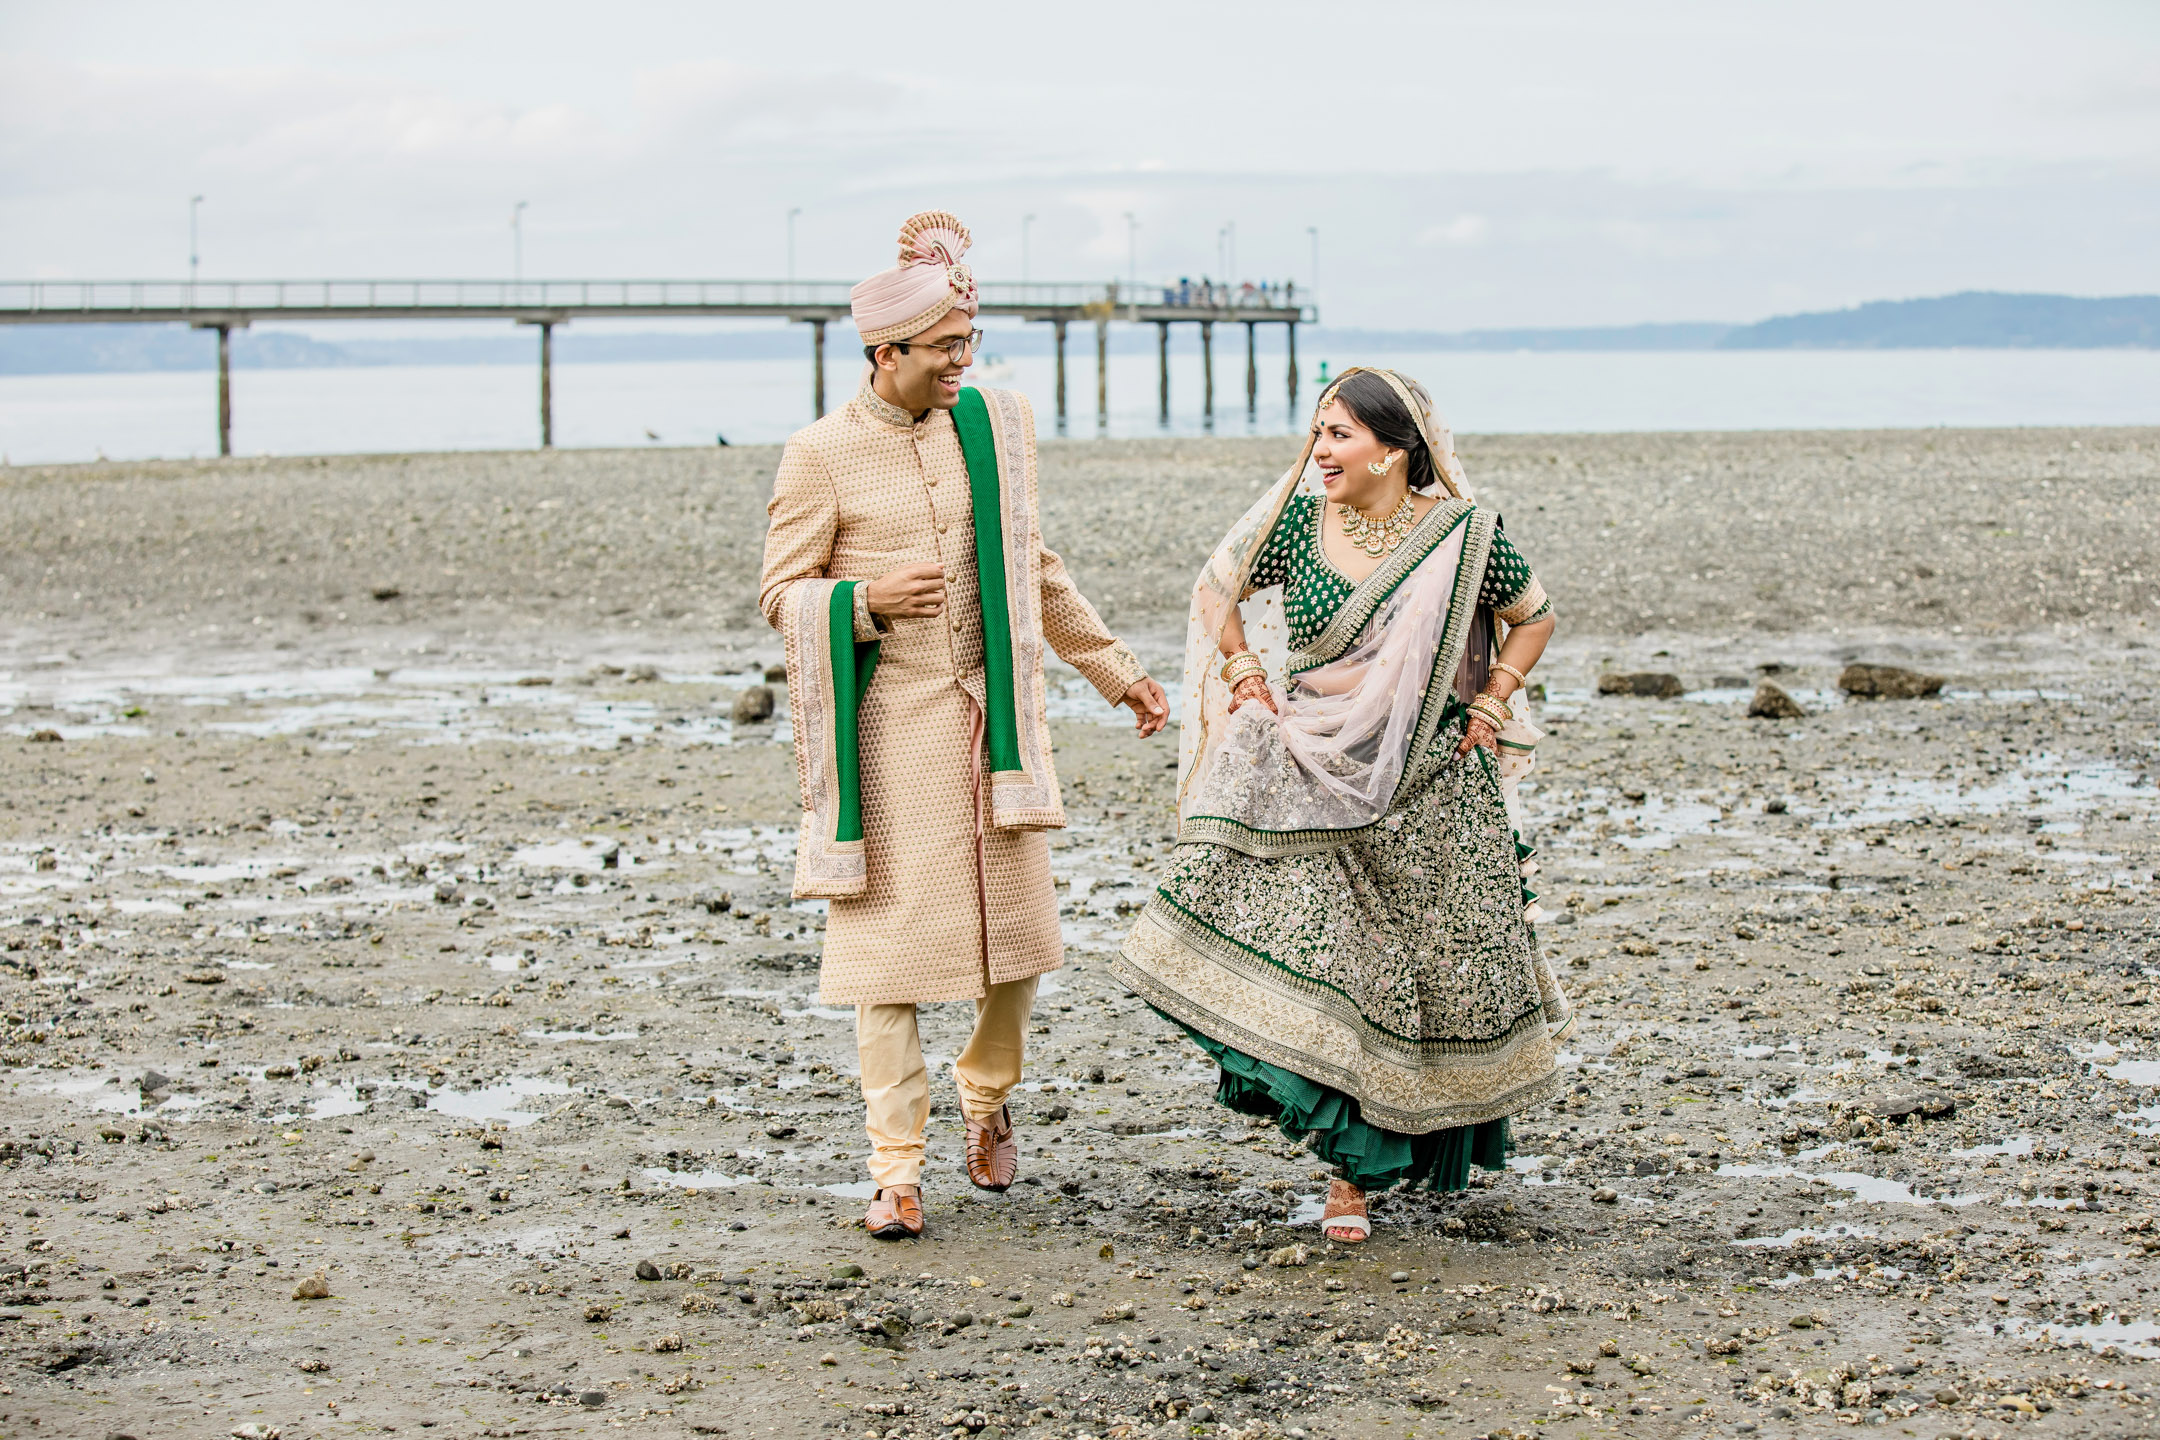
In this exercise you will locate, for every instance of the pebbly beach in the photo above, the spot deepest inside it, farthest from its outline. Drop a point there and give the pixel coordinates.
(407, 1023)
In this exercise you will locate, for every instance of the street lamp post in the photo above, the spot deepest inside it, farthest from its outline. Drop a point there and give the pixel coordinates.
(1025, 222)
(1132, 253)
(517, 245)
(194, 250)
(1313, 233)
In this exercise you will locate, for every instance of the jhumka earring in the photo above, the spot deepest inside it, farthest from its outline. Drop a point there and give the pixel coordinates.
(1381, 467)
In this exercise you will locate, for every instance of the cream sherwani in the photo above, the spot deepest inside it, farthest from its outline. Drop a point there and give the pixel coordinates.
(953, 908)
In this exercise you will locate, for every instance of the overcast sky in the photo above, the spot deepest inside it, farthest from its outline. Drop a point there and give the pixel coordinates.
(1466, 164)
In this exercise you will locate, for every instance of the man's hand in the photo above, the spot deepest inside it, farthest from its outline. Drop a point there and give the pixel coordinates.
(1150, 710)
(912, 592)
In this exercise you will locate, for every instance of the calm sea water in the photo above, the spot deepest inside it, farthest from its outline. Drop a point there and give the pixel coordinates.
(401, 408)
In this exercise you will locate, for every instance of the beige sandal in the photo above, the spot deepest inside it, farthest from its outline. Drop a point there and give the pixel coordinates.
(1345, 1212)
(895, 1214)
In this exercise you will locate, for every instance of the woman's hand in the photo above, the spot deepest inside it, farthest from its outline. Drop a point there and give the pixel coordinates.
(1252, 687)
(1480, 733)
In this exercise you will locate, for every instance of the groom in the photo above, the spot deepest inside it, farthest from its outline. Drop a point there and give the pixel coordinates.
(906, 569)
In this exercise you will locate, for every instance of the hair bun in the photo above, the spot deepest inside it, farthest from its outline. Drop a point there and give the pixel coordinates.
(933, 237)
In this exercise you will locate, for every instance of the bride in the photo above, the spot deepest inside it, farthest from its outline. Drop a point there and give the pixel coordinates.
(1345, 927)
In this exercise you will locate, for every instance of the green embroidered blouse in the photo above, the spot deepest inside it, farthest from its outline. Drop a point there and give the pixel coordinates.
(1313, 589)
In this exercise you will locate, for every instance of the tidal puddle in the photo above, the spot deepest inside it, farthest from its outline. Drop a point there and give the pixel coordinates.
(2019, 1145)
(2131, 1072)
(335, 1101)
(697, 1180)
(1867, 1189)
(2044, 785)
(579, 1034)
(1663, 822)
(1791, 1238)
(502, 1101)
(2139, 1338)
(1536, 1169)
(851, 1189)
(425, 705)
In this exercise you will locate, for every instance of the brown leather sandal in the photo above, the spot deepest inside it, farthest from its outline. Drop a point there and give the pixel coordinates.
(993, 1156)
(895, 1214)
(1346, 1212)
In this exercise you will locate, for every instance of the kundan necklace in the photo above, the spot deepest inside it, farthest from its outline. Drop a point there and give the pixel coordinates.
(1378, 537)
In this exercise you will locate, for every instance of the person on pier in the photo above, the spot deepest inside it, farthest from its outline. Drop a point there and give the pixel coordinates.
(905, 568)
(1345, 927)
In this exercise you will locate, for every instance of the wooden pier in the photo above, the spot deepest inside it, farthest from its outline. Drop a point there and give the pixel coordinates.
(226, 306)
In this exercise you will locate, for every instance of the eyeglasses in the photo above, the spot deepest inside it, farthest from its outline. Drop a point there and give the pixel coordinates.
(957, 349)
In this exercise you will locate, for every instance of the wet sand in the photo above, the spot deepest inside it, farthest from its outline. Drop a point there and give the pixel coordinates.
(449, 932)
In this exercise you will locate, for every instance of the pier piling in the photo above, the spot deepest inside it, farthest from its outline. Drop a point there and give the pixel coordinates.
(1207, 373)
(817, 380)
(224, 390)
(1252, 371)
(547, 383)
(1059, 327)
(1290, 335)
(1102, 374)
(1162, 355)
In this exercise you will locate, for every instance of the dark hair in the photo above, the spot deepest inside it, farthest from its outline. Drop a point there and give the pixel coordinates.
(1373, 403)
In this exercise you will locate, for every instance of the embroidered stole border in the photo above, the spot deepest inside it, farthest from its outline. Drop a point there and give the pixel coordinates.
(998, 445)
(829, 671)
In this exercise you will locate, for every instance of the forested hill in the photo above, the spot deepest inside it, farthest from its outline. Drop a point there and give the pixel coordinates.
(1976, 319)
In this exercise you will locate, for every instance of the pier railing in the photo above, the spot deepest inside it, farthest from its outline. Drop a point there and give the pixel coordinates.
(182, 300)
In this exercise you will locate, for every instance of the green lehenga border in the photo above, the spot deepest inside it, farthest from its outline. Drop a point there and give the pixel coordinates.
(1211, 944)
(1257, 1045)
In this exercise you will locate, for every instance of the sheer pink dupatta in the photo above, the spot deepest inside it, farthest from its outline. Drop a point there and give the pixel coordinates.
(1331, 761)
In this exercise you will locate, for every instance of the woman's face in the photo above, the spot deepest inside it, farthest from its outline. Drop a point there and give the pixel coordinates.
(1343, 451)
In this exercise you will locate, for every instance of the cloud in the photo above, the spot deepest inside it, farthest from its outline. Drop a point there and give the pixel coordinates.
(1462, 230)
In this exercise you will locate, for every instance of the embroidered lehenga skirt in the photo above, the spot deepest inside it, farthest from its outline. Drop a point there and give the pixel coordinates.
(1382, 998)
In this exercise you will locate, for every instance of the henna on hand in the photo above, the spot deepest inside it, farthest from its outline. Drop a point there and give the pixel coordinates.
(1252, 687)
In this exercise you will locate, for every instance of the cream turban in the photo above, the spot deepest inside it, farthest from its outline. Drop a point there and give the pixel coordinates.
(927, 284)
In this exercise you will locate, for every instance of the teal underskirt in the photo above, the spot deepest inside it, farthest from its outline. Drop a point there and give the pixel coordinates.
(1328, 1123)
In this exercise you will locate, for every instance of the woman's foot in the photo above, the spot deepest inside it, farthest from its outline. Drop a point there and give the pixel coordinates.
(895, 1213)
(1345, 1221)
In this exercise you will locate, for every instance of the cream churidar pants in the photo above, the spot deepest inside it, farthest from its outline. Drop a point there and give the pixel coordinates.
(896, 1086)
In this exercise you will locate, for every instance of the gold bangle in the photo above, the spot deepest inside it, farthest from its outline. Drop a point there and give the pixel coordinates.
(1492, 708)
(1237, 660)
(1520, 678)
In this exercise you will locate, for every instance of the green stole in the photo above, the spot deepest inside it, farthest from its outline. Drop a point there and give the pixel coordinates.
(1001, 731)
(853, 663)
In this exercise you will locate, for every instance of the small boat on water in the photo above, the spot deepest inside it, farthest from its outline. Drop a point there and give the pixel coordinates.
(994, 368)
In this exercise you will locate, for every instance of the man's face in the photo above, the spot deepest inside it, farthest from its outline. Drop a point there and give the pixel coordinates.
(924, 376)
